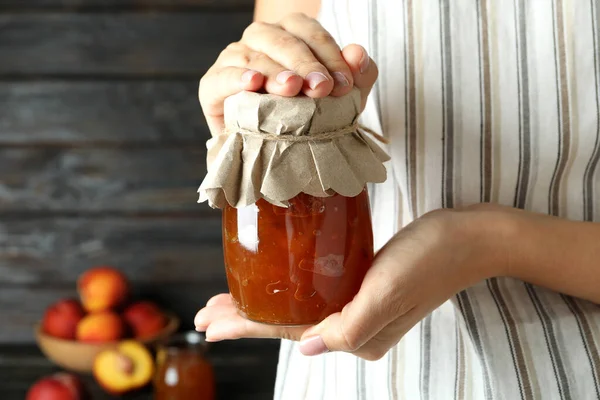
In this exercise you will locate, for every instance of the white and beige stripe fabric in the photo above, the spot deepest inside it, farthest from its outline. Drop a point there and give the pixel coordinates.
(483, 100)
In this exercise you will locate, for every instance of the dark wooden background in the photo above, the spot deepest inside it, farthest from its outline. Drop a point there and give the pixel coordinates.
(102, 148)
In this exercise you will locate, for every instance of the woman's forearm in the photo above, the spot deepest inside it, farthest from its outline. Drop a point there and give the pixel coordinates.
(272, 11)
(555, 253)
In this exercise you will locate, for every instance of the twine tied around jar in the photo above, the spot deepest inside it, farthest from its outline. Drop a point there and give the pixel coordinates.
(313, 137)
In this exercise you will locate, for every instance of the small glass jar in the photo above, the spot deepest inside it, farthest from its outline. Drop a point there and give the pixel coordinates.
(297, 265)
(182, 371)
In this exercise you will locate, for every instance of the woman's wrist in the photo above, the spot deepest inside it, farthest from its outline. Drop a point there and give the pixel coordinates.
(493, 235)
(555, 253)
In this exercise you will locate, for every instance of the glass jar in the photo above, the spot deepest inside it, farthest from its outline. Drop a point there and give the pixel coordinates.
(182, 371)
(297, 265)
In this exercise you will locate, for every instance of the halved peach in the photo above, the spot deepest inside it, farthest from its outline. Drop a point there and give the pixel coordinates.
(129, 367)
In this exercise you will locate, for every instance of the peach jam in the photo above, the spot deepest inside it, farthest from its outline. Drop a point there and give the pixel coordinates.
(297, 265)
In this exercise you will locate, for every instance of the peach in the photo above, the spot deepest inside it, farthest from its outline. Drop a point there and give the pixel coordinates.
(129, 367)
(104, 326)
(61, 318)
(60, 386)
(145, 319)
(102, 288)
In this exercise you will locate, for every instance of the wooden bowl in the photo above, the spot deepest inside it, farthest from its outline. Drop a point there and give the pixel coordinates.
(79, 357)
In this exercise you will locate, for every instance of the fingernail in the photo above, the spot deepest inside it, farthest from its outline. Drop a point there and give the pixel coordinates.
(315, 79)
(313, 346)
(340, 79)
(248, 75)
(364, 62)
(284, 76)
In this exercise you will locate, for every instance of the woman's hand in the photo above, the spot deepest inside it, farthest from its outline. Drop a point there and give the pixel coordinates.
(296, 55)
(425, 264)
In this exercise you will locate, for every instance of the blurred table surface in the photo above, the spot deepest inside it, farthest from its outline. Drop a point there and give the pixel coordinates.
(244, 369)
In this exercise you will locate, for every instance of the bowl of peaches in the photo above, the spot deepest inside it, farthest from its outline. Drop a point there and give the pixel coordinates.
(74, 332)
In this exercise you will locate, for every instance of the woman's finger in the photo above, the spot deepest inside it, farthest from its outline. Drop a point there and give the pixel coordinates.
(217, 85)
(324, 47)
(222, 321)
(364, 70)
(278, 79)
(220, 299)
(208, 315)
(292, 53)
(237, 327)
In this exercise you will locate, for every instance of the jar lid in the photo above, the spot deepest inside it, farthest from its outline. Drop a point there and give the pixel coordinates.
(276, 147)
(190, 340)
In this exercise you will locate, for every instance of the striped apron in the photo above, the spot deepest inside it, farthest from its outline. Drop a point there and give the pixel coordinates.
(483, 101)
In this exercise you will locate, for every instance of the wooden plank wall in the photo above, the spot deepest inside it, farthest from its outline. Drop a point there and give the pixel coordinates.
(102, 147)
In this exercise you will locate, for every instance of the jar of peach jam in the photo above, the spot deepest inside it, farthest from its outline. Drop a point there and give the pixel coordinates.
(297, 265)
(290, 176)
(182, 370)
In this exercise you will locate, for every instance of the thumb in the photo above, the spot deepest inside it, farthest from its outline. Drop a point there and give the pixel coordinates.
(346, 331)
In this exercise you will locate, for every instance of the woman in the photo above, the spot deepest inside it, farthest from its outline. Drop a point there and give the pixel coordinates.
(489, 260)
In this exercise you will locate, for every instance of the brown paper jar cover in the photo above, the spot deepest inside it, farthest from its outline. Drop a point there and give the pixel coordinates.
(276, 147)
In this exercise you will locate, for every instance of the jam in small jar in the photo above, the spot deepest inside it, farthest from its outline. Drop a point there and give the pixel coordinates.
(183, 372)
